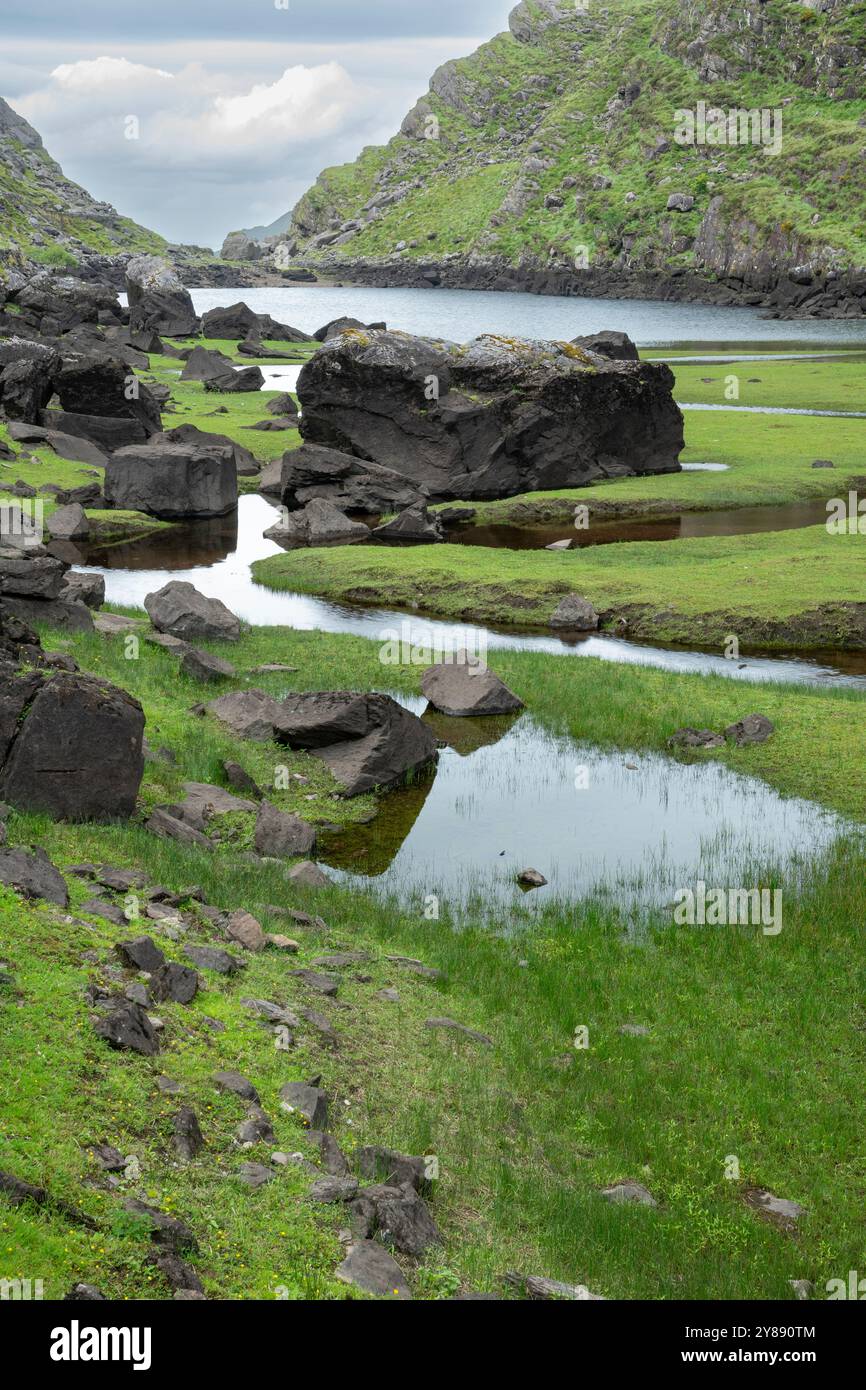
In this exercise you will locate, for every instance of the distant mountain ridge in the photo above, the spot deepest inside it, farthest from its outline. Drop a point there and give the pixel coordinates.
(549, 160)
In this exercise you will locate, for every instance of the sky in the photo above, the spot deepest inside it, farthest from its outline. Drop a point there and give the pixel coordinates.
(197, 117)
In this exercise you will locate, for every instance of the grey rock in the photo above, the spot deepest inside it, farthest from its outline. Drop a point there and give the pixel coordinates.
(372, 1269)
(576, 613)
(181, 611)
(463, 688)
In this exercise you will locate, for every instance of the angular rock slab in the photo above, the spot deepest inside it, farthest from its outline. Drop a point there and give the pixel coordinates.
(181, 611)
(172, 481)
(369, 1267)
(464, 688)
(78, 753)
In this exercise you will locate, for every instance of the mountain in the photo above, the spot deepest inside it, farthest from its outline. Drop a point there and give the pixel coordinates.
(555, 159)
(46, 219)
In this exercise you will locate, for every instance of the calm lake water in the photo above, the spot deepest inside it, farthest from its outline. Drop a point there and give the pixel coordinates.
(462, 314)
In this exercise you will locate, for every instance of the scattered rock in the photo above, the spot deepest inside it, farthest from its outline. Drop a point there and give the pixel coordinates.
(238, 1085)
(753, 729)
(188, 1138)
(308, 1101)
(320, 982)
(309, 875)
(204, 666)
(777, 1210)
(629, 1192)
(255, 1175)
(181, 611)
(372, 1269)
(333, 1189)
(213, 958)
(129, 1029)
(33, 875)
(174, 982)
(282, 835)
(531, 878)
(576, 613)
(142, 953)
(695, 738)
(466, 688)
(450, 1025)
(243, 928)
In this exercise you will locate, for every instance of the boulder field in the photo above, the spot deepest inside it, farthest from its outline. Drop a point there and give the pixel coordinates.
(492, 418)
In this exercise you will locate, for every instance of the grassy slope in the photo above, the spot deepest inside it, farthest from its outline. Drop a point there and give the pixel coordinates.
(22, 197)
(760, 1032)
(809, 195)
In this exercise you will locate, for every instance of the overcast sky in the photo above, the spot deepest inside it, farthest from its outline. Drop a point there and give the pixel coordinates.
(239, 106)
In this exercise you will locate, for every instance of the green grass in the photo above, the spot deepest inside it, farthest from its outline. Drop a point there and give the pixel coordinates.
(755, 1049)
(837, 385)
(763, 588)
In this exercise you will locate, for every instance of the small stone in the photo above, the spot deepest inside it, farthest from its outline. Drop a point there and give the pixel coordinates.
(450, 1025)
(188, 1138)
(243, 928)
(238, 1085)
(372, 1269)
(753, 729)
(309, 875)
(531, 878)
(283, 943)
(629, 1192)
(322, 984)
(333, 1189)
(255, 1175)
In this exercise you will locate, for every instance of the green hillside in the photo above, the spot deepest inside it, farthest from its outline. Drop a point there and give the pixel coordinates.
(554, 144)
(48, 221)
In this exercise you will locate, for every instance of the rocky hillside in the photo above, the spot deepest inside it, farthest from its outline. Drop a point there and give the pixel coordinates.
(45, 219)
(548, 160)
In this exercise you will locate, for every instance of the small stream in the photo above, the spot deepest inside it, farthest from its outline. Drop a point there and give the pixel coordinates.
(216, 556)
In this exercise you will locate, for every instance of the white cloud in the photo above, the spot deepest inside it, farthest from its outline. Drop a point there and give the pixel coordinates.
(104, 71)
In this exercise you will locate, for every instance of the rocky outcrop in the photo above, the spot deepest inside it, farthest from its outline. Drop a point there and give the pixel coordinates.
(102, 386)
(490, 419)
(172, 481)
(351, 484)
(75, 752)
(158, 299)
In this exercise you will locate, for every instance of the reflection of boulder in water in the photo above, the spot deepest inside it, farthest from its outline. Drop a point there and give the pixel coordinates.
(371, 849)
(196, 545)
(467, 734)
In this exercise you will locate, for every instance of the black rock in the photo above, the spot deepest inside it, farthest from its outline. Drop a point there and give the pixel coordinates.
(129, 1029)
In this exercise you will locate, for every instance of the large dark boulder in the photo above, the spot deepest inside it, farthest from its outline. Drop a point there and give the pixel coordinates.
(172, 481)
(26, 350)
(238, 321)
(25, 387)
(158, 300)
(30, 572)
(367, 741)
(244, 380)
(495, 417)
(102, 385)
(77, 753)
(351, 485)
(107, 431)
(180, 610)
(206, 365)
(617, 346)
(244, 461)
